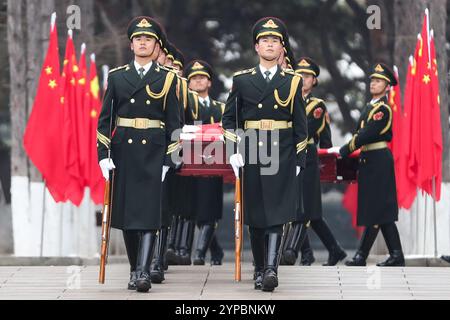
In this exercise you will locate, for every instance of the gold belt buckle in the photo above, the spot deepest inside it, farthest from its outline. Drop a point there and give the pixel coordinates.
(140, 123)
(266, 124)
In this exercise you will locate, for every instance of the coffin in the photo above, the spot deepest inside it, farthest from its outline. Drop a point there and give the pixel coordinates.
(204, 156)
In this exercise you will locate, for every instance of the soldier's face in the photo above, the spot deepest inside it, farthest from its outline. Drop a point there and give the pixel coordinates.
(168, 62)
(378, 86)
(199, 83)
(308, 81)
(143, 46)
(269, 47)
(162, 57)
(156, 52)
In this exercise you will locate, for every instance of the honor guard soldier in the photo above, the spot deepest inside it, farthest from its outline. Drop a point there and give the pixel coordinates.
(169, 188)
(209, 191)
(183, 223)
(140, 108)
(265, 101)
(318, 133)
(377, 194)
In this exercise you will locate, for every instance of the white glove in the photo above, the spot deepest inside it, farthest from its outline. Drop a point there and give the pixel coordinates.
(298, 170)
(164, 172)
(187, 128)
(106, 165)
(334, 150)
(236, 162)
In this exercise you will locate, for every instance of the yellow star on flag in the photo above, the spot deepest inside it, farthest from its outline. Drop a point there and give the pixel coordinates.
(48, 70)
(426, 78)
(52, 84)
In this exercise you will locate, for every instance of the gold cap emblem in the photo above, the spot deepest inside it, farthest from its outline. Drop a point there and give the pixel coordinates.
(303, 63)
(143, 24)
(270, 24)
(379, 68)
(197, 65)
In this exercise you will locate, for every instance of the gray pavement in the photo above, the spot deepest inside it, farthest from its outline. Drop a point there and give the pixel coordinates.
(216, 282)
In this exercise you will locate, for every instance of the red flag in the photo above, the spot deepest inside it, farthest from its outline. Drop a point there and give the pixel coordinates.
(395, 101)
(42, 139)
(74, 190)
(406, 185)
(350, 203)
(437, 143)
(426, 147)
(82, 91)
(96, 182)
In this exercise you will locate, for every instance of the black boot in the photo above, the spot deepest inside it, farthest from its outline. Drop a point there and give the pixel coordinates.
(392, 239)
(157, 268)
(174, 240)
(293, 246)
(446, 258)
(131, 239)
(335, 255)
(216, 251)
(367, 240)
(335, 252)
(145, 255)
(288, 239)
(203, 242)
(187, 236)
(272, 252)
(307, 253)
(257, 245)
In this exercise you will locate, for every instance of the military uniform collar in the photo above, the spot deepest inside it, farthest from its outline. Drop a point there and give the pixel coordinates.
(272, 70)
(308, 97)
(203, 100)
(382, 99)
(146, 67)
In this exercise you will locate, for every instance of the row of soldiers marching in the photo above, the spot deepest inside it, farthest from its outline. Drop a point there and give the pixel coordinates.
(148, 100)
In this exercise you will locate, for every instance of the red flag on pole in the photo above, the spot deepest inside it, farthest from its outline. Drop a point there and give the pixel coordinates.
(426, 148)
(436, 122)
(406, 183)
(42, 138)
(96, 181)
(82, 91)
(395, 102)
(74, 190)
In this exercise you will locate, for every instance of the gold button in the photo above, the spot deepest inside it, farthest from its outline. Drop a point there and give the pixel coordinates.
(130, 140)
(259, 105)
(132, 101)
(147, 102)
(144, 141)
(275, 106)
(260, 143)
(275, 143)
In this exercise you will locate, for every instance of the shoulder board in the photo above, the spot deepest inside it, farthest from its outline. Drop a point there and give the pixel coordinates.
(168, 69)
(243, 72)
(292, 72)
(118, 68)
(317, 99)
(380, 104)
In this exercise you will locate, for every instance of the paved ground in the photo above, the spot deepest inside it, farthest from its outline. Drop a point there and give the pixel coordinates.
(205, 282)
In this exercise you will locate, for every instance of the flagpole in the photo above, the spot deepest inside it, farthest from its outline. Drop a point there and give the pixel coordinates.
(425, 225)
(434, 178)
(42, 222)
(434, 217)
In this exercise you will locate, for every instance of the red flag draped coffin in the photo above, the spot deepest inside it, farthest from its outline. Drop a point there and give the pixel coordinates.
(201, 157)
